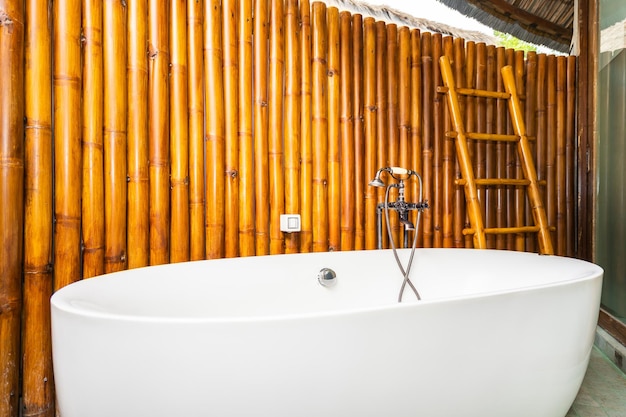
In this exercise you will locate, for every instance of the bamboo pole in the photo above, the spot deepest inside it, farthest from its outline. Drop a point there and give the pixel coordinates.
(114, 50)
(427, 135)
(334, 162)
(138, 222)
(520, 193)
(158, 110)
(571, 198)
(360, 181)
(346, 128)
(11, 200)
(230, 65)
(470, 119)
(491, 150)
(416, 117)
(67, 142)
(246, 173)
(306, 150)
(261, 170)
(480, 156)
(319, 112)
(511, 172)
(292, 119)
(501, 128)
(197, 242)
(530, 112)
(382, 129)
(404, 110)
(437, 144)
(391, 119)
(448, 163)
(214, 122)
(37, 389)
(179, 134)
(276, 107)
(369, 119)
(541, 141)
(92, 179)
(459, 198)
(561, 156)
(551, 147)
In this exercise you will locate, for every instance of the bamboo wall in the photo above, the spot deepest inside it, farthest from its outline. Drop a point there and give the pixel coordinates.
(160, 132)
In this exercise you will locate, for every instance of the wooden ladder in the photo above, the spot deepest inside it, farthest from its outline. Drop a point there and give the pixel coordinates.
(468, 180)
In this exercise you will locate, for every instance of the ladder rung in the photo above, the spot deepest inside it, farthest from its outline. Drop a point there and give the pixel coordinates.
(504, 230)
(488, 136)
(498, 181)
(477, 93)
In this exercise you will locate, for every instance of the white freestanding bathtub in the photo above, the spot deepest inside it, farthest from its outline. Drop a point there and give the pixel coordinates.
(497, 334)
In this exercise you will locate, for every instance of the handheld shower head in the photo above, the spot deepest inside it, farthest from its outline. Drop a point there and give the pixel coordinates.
(377, 182)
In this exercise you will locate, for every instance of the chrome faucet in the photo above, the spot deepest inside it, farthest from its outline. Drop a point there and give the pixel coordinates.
(403, 208)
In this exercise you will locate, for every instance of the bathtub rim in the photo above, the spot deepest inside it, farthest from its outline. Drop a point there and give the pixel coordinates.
(60, 302)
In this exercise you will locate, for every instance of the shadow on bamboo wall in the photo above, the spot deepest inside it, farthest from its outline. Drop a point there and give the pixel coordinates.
(164, 132)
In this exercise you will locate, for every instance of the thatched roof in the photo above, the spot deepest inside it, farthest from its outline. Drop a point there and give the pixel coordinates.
(543, 22)
(392, 15)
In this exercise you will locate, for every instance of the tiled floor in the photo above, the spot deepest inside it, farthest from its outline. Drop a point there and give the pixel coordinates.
(603, 393)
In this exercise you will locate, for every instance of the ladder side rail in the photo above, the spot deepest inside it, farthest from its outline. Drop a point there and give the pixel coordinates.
(471, 194)
(525, 153)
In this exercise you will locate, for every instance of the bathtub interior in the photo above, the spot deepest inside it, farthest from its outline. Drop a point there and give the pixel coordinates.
(286, 286)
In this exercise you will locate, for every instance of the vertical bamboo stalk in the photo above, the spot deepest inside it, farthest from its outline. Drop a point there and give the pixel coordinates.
(491, 148)
(158, 109)
(459, 197)
(319, 112)
(427, 134)
(11, 200)
(214, 122)
(520, 193)
(292, 119)
(138, 187)
(306, 150)
(416, 116)
(382, 129)
(391, 122)
(510, 162)
(37, 387)
(230, 65)
(346, 128)
(261, 170)
(369, 101)
(360, 181)
(276, 106)
(246, 183)
(92, 184)
(480, 156)
(542, 124)
(447, 180)
(571, 199)
(561, 156)
(197, 241)
(501, 128)
(551, 147)
(114, 49)
(437, 141)
(67, 142)
(470, 118)
(531, 129)
(404, 103)
(334, 172)
(179, 134)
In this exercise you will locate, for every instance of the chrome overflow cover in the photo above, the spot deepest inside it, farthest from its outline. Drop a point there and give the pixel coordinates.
(327, 277)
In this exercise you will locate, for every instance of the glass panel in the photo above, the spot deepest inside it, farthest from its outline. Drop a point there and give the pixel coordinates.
(611, 199)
